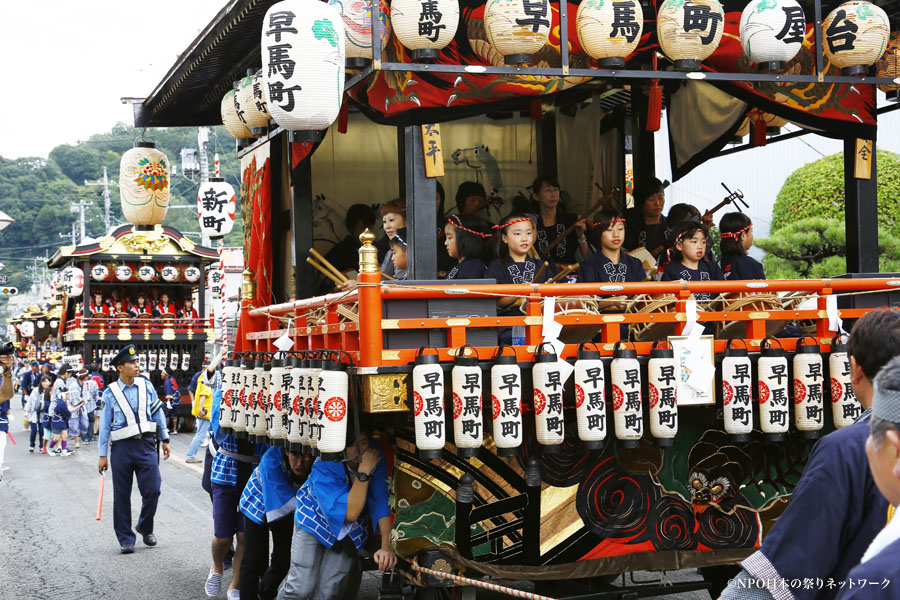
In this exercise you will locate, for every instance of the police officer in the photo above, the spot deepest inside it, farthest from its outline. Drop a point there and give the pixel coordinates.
(130, 419)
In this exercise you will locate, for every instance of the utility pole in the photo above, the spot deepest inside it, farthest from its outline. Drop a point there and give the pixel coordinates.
(203, 143)
(105, 182)
(80, 208)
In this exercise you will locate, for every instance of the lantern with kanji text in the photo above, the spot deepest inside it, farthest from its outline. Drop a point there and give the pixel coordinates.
(809, 383)
(772, 32)
(856, 36)
(296, 406)
(250, 103)
(466, 386)
(335, 404)
(425, 27)
(772, 387)
(546, 378)
(689, 31)
(506, 402)
(845, 408)
(99, 272)
(628, 414)
(590, 398)
(662, 395)
(737, 396)
(610, 31)
(216, 206)
(517, 28)
(71, 282)
(192, 273)
(231, 119)
(428, 404)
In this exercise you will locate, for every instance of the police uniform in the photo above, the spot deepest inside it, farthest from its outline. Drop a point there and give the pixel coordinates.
(131, 419)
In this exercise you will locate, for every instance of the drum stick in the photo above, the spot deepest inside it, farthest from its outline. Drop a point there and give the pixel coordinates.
(541, 271)
(388, 277)
(328, 265)
(563, 273)
(324, 271)
(100, 496)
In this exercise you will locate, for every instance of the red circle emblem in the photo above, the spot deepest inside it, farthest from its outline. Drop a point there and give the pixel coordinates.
(457, 405)
(540, 402)
(799, 391)
(226, 398)
(763, 392)
(654, 395)
(837, 390)
(335, 409)
(417, 398)
(276, 400)
(242, 398)
(727, 393)
(296, 406)
(495, 406)
(251, 401)
(618, 397)
(579, 396)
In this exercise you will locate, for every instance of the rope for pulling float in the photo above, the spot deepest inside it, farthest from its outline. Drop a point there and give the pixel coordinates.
(478, 583)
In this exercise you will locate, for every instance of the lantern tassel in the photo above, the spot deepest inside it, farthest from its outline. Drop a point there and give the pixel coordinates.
(758, 125)
(344, 116)
(654, 107)
(535, 110)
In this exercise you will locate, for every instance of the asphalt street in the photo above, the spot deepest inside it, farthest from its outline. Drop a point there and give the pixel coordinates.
(52, 546)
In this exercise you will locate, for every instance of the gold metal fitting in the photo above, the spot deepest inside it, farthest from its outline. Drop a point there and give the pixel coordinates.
(368, 253)
(248, 285)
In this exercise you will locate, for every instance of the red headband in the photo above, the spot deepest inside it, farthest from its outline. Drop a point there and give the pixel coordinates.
(735, 234)
(454, 220)
(513, 222)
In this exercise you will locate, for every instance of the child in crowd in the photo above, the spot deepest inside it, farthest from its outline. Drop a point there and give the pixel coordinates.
(37, 413)
(688, 262)
(609, 264)
(736, 233)
(59, 425)
(514, 263)
(398, 254)
(464, 241)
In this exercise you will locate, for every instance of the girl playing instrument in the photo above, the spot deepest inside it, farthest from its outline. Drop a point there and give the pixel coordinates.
(609, 264)
(688, 262)
(736, 233)
(464, 241)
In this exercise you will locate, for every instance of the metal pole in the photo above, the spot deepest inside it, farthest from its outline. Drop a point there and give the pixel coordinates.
(203, 144)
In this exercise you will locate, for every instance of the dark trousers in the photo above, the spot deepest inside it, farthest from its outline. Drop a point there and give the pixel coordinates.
(88, 435)
(260, 576)
(35, 433)
(129, 459)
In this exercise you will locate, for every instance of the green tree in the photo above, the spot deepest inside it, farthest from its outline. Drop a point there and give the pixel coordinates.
(815, 247)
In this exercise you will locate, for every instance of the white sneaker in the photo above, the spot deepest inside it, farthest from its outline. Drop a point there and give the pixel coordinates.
(234, 595)
(66, 452)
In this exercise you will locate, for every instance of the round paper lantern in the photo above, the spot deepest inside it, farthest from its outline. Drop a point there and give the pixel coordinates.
(610, 31)
(889, 63)
(425, 27)
(123, 272)
(590, 398)
(856, 36)
(662, 396)
(772, 385)
(216, 279)
(737, 401)
(192, 274)
(845, 408)
(428, 405)
(546, 378)
(303, 66)
(295, 405)
(809, 378)
(234, 124)
(333, 392)
(54, 324)
(216, 205)
(26, 328)
(466, 384)
(625, 373)
(506, 403)
(772, 32)
(356, 16)
(41, 324)
(689, 31)
(72, 281)
(169, 273)
(144, 185)
(517, 28)
(250, 103)
(99, 272)
(146, 273)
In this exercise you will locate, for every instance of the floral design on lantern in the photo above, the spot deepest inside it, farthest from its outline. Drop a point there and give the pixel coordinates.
(772, 32)
(856, 36)
(357, 18)
(425, 27)
(889, 63)
(233, 122)
(689, 31)
(303, 66)
(144, 185)
(216, 205)
(517, 28)
(609, 31)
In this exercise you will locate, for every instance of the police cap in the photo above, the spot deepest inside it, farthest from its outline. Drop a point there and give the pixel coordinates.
(126, 354)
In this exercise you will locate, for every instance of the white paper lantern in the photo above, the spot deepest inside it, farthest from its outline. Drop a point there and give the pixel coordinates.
(123, 272)
(306, 408)
(72, 281)
(356, 16)
(146, 273)
(425, 27)
(297, 407)
(737, 397)
(192, 273)
(628, 414)
(144, 185)
(142, 361)
(314, 404)
(333, 392)
(279, 396)
(257, 428)
(26, 328)
(169, 273)
(106, 361)
(239, 416)
(689, 31)
(173, 361)
(506, 403)
(54, 324)
(809, 381)
(216, 205)
(185, 361)
(428, 405)
(772, 32)
(610, 31)
(250, 103)
(99, 272)
(467, 384)
(856, 36)
(151, 361)
(216, 283)
(234, 124)
(772, 384)
(303, 65)
(845, 408)
(662, 387)
(590, 398)
(517, 28)
(547, 381)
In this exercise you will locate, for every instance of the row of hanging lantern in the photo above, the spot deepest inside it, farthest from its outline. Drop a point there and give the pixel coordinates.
(772, 391)
(146, 272)
(300, 402)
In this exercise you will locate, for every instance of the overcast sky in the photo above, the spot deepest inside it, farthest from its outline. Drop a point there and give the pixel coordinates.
(68, 64)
